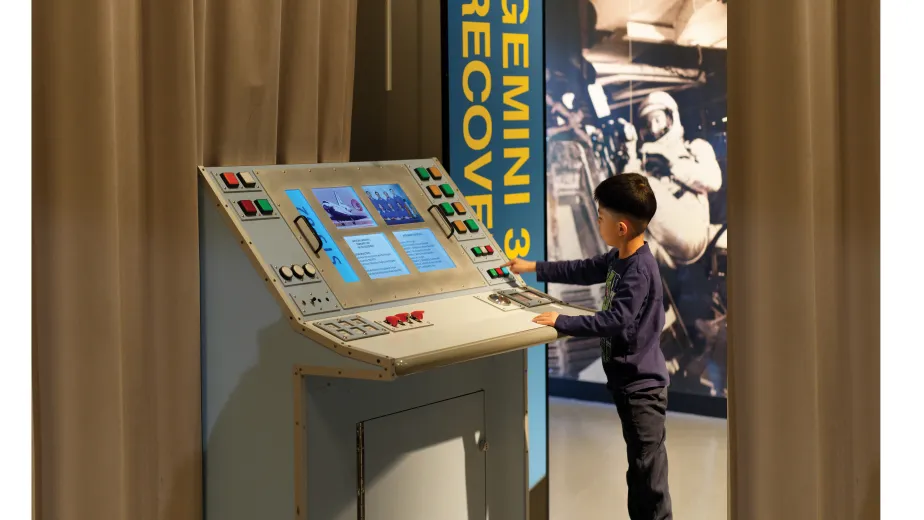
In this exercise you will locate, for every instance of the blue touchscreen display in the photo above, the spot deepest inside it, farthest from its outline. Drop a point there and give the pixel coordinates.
(343, 207)
(377, 256)
(424, 250)
(327, 243)
(392, 204)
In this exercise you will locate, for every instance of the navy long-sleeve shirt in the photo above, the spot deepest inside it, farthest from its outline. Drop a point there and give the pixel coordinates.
(630, 323)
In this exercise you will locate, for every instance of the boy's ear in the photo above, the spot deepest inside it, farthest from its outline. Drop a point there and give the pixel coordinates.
(623, 228)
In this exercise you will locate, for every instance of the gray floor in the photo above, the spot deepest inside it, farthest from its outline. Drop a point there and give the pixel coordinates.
(588, 464)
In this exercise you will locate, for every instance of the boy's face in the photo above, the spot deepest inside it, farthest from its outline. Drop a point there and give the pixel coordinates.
(614, 230)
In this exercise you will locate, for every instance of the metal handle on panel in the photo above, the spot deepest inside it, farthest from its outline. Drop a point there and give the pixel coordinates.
(445, 219)
(301, 223)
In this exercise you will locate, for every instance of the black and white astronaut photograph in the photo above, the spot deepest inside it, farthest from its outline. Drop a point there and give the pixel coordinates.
(640, 87)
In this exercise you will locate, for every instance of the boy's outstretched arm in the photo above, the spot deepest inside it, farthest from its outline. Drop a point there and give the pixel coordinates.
(576, 272)
(616, 322)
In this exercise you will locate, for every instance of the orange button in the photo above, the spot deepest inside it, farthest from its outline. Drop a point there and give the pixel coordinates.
(435, 172)
(434, 191)
(460, 226)
(459, 207)
(230, 180)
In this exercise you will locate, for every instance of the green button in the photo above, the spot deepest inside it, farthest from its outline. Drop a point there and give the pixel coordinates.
(264, 206)
(447, 190)
(447, 209)
(493, 273)
(472, 225)
(423, 174)
(477, 251)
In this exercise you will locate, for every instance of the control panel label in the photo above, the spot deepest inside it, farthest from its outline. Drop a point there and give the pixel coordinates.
(424, 250)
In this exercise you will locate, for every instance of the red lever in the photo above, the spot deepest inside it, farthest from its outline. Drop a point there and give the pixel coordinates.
(417, 315)
(392, 320)
(402, 317)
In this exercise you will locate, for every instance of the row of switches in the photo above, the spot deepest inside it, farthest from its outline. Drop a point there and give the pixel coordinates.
(439, 191)
(425, 174)
(233, 181)
(451, 209)
(298, 271)
(251, 207)
(404, 317)
(483, 250)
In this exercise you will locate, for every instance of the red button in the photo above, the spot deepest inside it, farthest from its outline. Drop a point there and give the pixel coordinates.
(417, 315)
(489, 249)
(230, 180)
(392, 320)
(402, 317)
(247, 207)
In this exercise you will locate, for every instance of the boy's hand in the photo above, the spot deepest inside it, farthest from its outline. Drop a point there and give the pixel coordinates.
(519, 266)
(546, 318)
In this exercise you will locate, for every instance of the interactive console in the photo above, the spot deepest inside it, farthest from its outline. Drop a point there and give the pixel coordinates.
(323, 285)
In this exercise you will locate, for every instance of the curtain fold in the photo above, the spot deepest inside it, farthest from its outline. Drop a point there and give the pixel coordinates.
(129, 96)
(804, 273)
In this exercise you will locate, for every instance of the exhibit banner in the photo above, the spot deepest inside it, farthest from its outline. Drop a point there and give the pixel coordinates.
(630, 89)
(496, 145)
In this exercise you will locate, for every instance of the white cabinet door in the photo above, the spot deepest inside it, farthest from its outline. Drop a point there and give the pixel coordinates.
(426, 463)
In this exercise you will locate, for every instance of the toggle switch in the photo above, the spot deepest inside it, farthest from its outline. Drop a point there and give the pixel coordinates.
(392, 320)
(403, 317)
(417, 315)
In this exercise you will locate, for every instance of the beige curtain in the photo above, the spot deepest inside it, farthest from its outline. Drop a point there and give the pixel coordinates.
(804, 276)
(129, 96)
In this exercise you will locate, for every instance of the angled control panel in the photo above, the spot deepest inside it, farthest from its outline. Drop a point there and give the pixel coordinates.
(381, 261)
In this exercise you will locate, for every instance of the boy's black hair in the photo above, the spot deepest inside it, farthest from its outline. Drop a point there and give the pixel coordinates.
(628, 194)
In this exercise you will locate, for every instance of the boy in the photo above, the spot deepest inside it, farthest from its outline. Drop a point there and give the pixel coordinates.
(629, 328)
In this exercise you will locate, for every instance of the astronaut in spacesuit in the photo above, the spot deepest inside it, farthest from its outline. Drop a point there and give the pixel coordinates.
(681, 173)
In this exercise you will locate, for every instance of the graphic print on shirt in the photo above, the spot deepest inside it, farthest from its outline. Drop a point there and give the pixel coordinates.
(606, 343)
